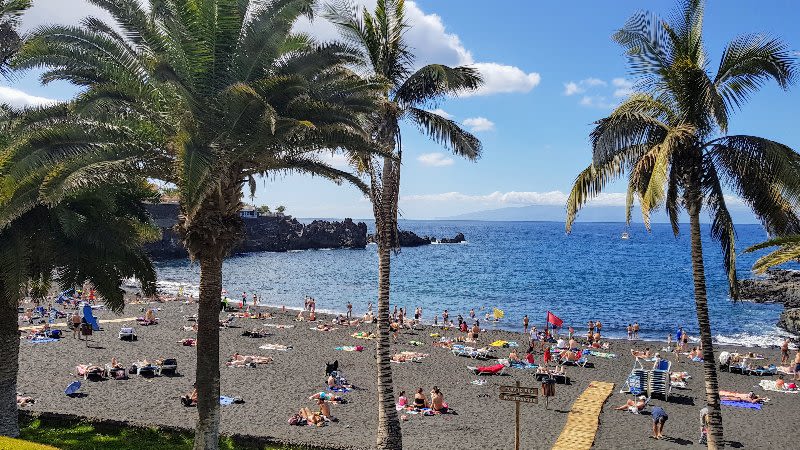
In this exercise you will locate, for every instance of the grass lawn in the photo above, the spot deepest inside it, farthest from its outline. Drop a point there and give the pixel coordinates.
(84, 436)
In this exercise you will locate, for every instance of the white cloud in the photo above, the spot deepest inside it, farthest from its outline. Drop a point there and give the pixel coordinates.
(335, 160)
(596, 101)
(441, 112)
(435, 160)
(572, 87)
(477, 124)
(623, 87)
(432, 43)
(514, 198)
(20, 99)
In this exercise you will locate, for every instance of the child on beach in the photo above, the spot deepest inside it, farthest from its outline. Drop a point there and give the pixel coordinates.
(785, 351)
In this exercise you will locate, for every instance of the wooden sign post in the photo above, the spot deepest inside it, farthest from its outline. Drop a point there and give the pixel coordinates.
(518, 394)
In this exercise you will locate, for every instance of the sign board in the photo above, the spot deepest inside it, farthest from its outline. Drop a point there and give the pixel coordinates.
(519, 390)
(519, 398)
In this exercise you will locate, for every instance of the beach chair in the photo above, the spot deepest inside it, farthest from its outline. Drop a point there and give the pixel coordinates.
(228, 322)
(634, 385)
(659, 381)
(168, 367)
(127, 334)
(772, 369)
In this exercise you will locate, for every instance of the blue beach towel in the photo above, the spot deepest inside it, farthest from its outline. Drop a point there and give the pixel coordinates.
(225, 401)
(338, 389)
(741, 404)
(39, 341)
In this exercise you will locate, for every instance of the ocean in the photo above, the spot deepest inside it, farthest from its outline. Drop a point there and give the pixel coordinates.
(521, 268)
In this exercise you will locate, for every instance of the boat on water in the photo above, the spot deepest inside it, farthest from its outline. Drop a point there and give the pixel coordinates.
(625, 235)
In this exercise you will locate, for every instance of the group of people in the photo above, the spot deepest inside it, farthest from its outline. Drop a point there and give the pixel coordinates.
(633, 331)
(421, 402)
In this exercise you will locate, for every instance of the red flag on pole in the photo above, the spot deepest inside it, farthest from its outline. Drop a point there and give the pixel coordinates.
(553, 319)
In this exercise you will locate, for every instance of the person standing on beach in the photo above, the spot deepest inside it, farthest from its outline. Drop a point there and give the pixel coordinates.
(445, 316)
(394, 313)
(797, 366)
(659, 419)
(598, 327)
(369, 307)
(525, 323)
(785, 351)
(244, 299)
(570, 333)
(472, 313)
(590, 326)
(349, 310)
(636, 330)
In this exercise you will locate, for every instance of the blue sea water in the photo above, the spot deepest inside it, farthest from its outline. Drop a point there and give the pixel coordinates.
(521, 268)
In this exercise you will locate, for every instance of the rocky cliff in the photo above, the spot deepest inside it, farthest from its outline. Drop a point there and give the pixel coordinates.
(779, 286)
(411, 239)
(264, 234)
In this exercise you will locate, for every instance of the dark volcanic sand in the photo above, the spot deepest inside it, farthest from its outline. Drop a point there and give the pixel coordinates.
(275, 391)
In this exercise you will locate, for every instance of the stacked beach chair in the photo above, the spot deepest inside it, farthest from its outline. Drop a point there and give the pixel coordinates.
(649, 382)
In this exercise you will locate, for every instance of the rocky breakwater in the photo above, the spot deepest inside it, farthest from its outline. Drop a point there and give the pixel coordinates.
(264, 234)
(411, 239)
(778, 286)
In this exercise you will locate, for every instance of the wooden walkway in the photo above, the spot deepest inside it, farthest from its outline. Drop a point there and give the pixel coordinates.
(584, 418)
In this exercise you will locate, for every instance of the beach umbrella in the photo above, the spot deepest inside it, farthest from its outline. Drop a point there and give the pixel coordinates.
(498, 314)
(72, 388)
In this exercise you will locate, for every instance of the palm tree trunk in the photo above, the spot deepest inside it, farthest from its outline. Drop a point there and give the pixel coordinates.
(9, 355)
(715, 438)
(207, 374)
(389, 436)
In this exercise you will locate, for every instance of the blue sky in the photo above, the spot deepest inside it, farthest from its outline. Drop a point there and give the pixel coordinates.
(535, 135)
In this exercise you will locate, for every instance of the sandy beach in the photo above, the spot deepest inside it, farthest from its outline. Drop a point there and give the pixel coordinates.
(274, 391)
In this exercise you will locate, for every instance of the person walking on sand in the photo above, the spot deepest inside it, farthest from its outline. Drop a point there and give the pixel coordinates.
(785, 351)
(349, 310)
(525, 323)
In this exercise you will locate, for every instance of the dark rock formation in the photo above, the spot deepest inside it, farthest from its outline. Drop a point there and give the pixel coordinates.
(790, 320)
(264, 234)
(411, 239)
(459, 238)
(779, 286)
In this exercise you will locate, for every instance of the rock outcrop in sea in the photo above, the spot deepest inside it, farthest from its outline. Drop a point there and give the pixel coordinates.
(411, 239)
(779, 286)
(264, 234)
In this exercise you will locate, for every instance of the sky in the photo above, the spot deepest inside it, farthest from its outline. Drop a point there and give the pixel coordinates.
(550, 69)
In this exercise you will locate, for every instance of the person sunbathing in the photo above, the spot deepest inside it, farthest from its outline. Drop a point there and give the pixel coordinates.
(513, 356)
(24, 401)
(779, 383)
(324, 327)
(299, 318)
(311, 417)
(437, 401)
(238, 360)
(326, 396)
(641, 354)
(190, 399)
(312, 316)
(633, 406)
(750, 397)
(114, 363)
(419, 400)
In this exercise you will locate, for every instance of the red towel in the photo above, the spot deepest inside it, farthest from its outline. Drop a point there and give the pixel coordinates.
(491, 369)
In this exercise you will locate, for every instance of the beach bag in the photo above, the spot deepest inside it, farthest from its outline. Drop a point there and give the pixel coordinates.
(119, 374)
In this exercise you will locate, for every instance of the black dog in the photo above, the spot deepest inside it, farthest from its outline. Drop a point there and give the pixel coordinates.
(331, 367)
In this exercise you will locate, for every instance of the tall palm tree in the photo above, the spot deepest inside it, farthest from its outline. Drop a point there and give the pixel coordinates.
(206, 95)
(788, 250)
(387, 59)
(671, 138)
(10, 40)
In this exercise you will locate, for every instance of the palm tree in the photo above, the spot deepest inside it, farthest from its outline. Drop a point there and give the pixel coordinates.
(671, 138)
(10, 40)
(387, 59)
(788, 250)
(206, 95)
(88, 235)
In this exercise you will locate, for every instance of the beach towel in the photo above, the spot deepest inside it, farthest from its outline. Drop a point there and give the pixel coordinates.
(41, 340)
(435, 335)
(225, 401)
(363, 335)
(278, 347)
(349, 348)
(523, 365)
(416, 343)
(499, 343)
(769, 385)
(602, 354)
(740, 404)
(488, 370)
(277, 325)
(323, 329)
(341, 389)
(478, 382)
